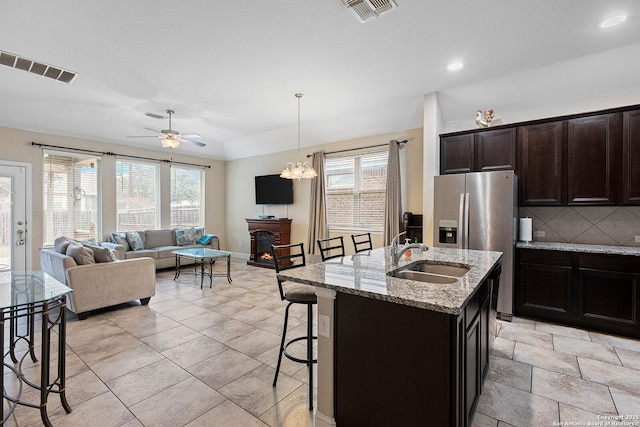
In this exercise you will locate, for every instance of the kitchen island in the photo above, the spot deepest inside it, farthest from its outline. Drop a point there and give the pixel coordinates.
(394, 351)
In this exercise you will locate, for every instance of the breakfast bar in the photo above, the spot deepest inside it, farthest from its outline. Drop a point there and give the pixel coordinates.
(406, 341)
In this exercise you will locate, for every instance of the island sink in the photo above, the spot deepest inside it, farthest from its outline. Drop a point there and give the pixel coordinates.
(429, 272)
(419, 276)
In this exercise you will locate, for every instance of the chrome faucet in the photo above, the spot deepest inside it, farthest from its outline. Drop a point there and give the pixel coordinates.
(396, 253)
(394, 243)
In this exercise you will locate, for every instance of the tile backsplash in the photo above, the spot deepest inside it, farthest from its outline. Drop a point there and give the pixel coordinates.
(595, 225)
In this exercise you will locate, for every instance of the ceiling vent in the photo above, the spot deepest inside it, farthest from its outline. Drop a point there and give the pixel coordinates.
(366, 10)
(25, 64)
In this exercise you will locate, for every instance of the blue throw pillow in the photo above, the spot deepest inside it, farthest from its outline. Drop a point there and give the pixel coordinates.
(185, 236)
(135, 241)
(120, 239)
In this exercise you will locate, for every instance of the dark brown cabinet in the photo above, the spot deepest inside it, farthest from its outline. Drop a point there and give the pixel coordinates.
(595, 291)
(540, 155)
(592, 147)
(476, 152)
(631, 158)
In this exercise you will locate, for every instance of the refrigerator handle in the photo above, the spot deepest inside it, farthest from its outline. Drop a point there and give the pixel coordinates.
(466, 221)
(461, 226)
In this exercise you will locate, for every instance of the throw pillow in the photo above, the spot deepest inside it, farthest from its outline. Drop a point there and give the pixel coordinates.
(120, 239)
(198, 233)
(80, 254)
(100, 254)
(135, 241)
(61, 244)
(185, 236)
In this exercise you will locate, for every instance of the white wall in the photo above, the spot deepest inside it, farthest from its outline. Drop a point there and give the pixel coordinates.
(15, 145)
(241, 192)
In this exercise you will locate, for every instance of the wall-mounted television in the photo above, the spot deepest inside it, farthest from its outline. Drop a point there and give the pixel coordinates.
(273, 190)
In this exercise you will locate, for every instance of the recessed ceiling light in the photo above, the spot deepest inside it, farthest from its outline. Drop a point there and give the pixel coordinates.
(455, 66)
(612, 21)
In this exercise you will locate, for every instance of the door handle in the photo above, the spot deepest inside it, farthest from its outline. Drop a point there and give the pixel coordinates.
(21, 235)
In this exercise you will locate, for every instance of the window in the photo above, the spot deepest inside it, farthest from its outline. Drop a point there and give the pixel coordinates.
(72, 197)
(137, 200)
(355, 191)
(186, 196)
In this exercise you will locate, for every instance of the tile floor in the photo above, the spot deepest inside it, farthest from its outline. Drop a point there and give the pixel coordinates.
(207, 357)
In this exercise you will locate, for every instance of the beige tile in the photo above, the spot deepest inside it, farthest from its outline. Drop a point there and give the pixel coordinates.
(147, 381)
(223, 368)
(230, 330)
(194, 351)
(192, 396)
(212, 301)
(171, 338)
(509, 372)
(105, 407)
(610, 375)
(482, 420)
(101, 348)
(503, 348)
(628, 404)
(573, 391)
(586, 349)
(570, 414)
(526, 335)
(563, 330)
(232, 307)
(149, 325)
(209, 319)
(186, 312)
(546, 359)
(292, 411)
(226, 414)
(255, 342)
(516, 407)
(167, 305)
(90, 330)
(618, 342)
(253, 316)
(125, 361)
(629, 358)
(254, 392)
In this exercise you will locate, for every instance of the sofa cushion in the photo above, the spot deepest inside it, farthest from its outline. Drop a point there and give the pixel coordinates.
(120, 239)
(185, 236)
(61, 244)
(101, 254)
(81, 255)
(135, 241)
(167, 251)
(151, 253)
(158, 238)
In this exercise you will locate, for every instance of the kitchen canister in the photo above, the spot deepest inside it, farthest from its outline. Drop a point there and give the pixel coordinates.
(526, 229)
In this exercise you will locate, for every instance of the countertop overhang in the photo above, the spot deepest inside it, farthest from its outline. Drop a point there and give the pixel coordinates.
(579, 247)
(367, 274)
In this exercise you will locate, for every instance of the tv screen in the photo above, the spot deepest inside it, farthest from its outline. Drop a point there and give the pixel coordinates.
(273, 190)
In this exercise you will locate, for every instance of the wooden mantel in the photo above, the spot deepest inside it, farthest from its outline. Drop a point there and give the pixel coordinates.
(279, 227)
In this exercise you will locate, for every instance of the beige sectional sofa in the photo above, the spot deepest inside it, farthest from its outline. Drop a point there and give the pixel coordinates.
(159, 245)
(102, 284)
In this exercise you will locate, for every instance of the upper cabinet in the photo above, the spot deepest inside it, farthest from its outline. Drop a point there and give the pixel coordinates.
(585, 159)
(592, 147)
(540, 164)
(476, 152)
(631, 157)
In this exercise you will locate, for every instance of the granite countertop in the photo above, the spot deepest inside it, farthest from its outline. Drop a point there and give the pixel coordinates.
(366, 274)
(576, 247)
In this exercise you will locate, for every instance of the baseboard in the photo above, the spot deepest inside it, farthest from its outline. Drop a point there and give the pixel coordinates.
(324, 421)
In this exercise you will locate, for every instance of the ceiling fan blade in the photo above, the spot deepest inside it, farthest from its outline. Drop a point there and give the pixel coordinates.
(153, 130)
(196, 143)
(190, 135)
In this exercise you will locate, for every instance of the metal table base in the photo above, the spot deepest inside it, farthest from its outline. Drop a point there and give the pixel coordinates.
(203, 262)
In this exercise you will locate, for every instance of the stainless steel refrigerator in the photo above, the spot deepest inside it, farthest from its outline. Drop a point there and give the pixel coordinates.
(479, 211)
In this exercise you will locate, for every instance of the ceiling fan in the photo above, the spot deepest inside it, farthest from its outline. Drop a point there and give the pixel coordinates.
(169, 137)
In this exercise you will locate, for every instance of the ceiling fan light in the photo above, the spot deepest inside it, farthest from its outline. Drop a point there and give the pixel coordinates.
(170, 143)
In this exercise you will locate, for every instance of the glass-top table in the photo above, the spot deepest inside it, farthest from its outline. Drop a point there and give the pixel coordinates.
(32, 295)
(204, 257)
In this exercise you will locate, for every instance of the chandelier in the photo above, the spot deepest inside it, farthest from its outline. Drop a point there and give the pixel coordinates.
(298, 170)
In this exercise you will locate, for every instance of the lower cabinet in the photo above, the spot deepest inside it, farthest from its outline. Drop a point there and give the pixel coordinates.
(595, 291)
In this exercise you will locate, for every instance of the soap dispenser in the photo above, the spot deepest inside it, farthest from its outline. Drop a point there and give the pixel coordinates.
(407, 250)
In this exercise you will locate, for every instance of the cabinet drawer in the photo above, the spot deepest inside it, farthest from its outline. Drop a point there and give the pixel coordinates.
(534, 256)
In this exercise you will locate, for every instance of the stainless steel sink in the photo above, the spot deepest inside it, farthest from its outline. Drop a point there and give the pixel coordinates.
(440, 269)
(425, 277)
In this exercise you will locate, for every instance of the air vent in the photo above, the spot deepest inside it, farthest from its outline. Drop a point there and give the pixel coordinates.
(369, 9)
(25, 64)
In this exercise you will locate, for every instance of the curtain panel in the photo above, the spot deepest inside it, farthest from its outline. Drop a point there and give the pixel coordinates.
(317, 210)
(393, 199)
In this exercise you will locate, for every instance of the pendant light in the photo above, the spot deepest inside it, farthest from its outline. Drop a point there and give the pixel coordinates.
(298, 170)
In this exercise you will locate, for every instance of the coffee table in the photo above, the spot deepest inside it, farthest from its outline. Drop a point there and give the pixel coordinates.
(204, 257)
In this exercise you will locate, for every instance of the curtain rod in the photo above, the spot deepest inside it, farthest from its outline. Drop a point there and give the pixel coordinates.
(404, 141)
(109, 153)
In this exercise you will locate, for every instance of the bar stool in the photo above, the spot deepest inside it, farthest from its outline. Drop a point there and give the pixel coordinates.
(332, 247)
(286, 257)
(361, 242)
